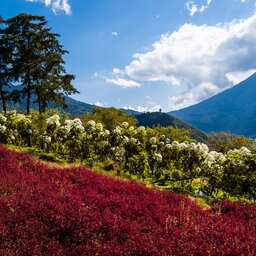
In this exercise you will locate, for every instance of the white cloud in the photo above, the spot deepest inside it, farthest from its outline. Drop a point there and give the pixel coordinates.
(114, 33)
(239, 76)
(193, 8)
(143, 108)
(193, 95)
(114, 78)
(178, 102)
(123, 82)
(199, 60)
(56, 5)
(117, 71)
(99, 104)
(151, 106)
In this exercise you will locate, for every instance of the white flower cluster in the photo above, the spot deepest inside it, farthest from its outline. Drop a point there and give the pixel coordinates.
(237, 157)
(125, 125)
(142, 130)
(2, 119)
(90, 126)
(125, 139)
(106, 133)
(53, 121)
(74, 125)
(119, 153)
(2, 128)
(11, 114)
(91, 123)
(99, 127)
(152, 140)
(131, 129)
(158, 157)
(117, 130)
(22, 118)
(134, 141)
(217, 156)
(47, 139)
(168, 146)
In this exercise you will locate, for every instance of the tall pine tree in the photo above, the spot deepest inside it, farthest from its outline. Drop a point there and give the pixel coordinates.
(38, 63)
(6, 50)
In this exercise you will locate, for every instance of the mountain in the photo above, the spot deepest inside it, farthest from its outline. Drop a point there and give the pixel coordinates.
(130, 111)
(163, 119)
(75, 107)
(233, 110)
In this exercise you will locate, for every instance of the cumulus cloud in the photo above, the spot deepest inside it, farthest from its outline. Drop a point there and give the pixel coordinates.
(117, 77)
(123, 82)
(193, 8)
(56, 5)
(114, 33)
(199, 60)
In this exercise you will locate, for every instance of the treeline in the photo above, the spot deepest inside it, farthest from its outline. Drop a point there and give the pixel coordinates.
(31, 56)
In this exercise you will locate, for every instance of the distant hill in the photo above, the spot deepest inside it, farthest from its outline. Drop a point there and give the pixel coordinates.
(163, 119)
(74, 108)
(233, 110)
(130, 111)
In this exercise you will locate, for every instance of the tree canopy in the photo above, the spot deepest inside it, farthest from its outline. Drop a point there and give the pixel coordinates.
(34, 60)
(109, 117)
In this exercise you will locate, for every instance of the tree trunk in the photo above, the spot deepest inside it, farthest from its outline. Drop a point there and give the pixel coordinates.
(3, 99)
(28, 93)
(39, 103)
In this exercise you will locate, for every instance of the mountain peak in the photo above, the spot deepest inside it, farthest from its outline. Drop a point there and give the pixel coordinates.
(232, 110)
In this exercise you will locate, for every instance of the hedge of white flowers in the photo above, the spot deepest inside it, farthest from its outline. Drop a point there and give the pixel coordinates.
(135, 151)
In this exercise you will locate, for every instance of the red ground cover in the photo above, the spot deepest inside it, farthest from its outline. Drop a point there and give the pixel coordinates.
(74, 211)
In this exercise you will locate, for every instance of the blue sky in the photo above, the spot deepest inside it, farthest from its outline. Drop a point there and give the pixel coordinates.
(150, 54)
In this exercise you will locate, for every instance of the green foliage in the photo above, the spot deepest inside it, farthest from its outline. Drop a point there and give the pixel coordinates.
(165, 120)
(6, 78)
(149, 154)
(239, 176)
(109, 117)
(31, 56)
(225, 141)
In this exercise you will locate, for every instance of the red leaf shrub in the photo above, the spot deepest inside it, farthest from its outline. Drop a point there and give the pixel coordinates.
(74, 211)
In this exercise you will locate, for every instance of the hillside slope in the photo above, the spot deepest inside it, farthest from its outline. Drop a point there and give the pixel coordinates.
(74, 211)
(233, 110)
(75, 107)
(164, 120)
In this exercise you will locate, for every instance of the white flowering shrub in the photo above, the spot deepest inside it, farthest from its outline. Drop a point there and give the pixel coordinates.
(53, 121)
(2, 119)
(139, 151)
(2, 128)
(239, 175)
(18, 128)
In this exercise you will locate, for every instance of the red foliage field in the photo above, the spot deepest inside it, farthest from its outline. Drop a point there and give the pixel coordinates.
(74, 211)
